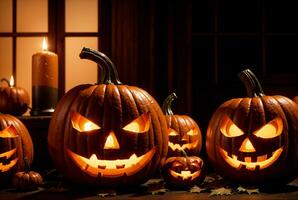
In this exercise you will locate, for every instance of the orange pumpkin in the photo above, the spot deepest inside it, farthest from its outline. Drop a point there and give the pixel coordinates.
(255, 139)
(107, 134)
(15, 144)
(184, 133)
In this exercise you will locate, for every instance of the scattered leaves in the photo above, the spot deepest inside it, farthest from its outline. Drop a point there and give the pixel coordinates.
(241, 189)
(106, 193)
(220, 191)
(159, 191)
(197, 189)
(209, 179)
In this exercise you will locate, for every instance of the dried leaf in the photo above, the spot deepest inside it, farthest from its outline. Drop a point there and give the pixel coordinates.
(159, 191)
(106, 193)
(220, 191)
(241, 189)
(209, 179)
(196, 189)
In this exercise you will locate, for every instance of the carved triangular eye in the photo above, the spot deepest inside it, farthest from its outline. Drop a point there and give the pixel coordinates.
(82, 124)
(172, 132)
(192, 132)
(229, 129)
(270, 130)
(8, 132)
(139, 125)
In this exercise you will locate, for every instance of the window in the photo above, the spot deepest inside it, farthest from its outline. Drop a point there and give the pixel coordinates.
(68, 25)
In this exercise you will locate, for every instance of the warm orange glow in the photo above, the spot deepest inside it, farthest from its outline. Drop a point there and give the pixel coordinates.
(172, 132)
(8, 132)
(179, 147)
(192, 133)
(11, 81)
(82, 124)
(247, 146)
(112, 142)
(272, 129)
(44, 44)
(7, 155)
(112, 168)
(229, 129)
(185, 174)
(262, 161)
(139, 125)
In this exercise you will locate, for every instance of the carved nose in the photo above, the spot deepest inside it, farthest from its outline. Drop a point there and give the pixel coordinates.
(247, 146)
(112, 142)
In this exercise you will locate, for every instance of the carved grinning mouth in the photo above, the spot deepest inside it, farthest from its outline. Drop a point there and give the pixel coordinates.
(261, 163)
(5, 156)
(112, 168)
(179, 147)
(185, 174)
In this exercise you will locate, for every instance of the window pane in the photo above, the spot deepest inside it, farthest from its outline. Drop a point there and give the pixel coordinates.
(81, 16)
(26, 47)
(5, 57)
(32, 15)
(6, 16)
(78, 71)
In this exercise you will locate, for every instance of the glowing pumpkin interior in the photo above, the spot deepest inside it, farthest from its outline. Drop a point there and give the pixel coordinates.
(95, 166)
(251, 161)
(184, 142)
(6, 163)
(186, 170)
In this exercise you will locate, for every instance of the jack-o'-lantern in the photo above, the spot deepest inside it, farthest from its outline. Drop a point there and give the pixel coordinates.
(107, 134)
(254, 140)
(184, 172)
(13, 100)
(15, 144)
(184, 133)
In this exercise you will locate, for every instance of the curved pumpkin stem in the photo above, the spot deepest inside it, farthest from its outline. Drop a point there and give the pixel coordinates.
(110, 74)
(5, 80)
(167, 104)
(251, 83)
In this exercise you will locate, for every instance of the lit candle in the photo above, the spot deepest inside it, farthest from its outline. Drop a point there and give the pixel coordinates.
(44, 81)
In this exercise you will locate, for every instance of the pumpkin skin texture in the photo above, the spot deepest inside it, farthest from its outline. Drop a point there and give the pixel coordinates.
(184, 133)
(15, 144)
(27, 180)
(253, 140)
(184, 172)
(125, 124)
(14, 100)
(295, 99)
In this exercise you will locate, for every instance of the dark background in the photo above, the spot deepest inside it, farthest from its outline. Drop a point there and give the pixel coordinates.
(196, 48)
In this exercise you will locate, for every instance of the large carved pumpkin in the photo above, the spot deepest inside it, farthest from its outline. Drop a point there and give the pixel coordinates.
(184, 133)
(15, 145)
(13, 100)
(255, 139)
(107, 134)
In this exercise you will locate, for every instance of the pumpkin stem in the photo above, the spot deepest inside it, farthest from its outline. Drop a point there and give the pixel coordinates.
(167, 104)
(5, 80)
(110, 74)
(251, 83)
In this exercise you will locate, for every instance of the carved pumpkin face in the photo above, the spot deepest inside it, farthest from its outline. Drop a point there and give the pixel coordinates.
(184, 133)
(107, 134)
(107, 158)
(183, 172)
(251, 150)
(15, 144)
(254, 140)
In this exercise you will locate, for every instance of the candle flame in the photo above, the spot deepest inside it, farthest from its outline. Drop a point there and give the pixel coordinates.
(44, 45)
(11, 81)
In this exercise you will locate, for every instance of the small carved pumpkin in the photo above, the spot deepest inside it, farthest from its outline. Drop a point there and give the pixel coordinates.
(15, 144)
(184, 133)
(255, 139)
(13, 100)
(107, 134)
(27, 180)
(184, 172)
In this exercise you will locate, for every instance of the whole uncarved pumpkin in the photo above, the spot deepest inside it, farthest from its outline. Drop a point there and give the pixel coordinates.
(254, 139)
(107, 134)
